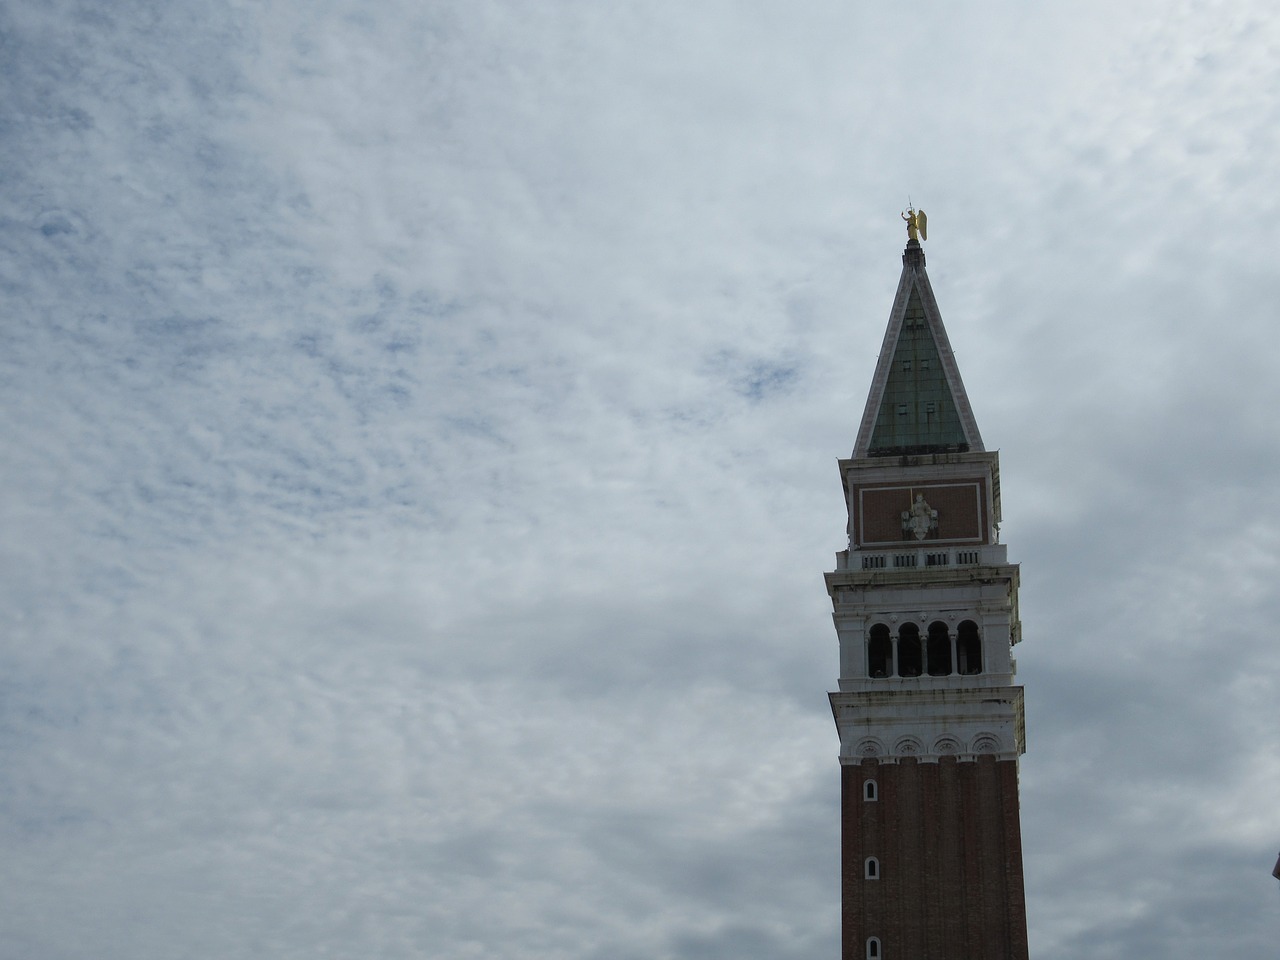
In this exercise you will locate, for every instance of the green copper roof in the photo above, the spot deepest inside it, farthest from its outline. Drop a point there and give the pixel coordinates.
(917, 411)
(917, 403)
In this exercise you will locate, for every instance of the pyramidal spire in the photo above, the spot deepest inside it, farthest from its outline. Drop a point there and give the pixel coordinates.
(917, 403)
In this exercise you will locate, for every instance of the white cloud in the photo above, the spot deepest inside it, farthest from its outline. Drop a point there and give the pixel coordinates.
(421, 436)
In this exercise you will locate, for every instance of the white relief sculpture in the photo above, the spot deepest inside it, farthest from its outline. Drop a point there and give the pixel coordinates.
(920, 519)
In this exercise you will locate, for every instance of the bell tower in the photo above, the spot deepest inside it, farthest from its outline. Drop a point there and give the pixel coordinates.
(930, 719)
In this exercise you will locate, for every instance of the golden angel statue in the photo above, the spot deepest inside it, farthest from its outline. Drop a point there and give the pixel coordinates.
(917, 224)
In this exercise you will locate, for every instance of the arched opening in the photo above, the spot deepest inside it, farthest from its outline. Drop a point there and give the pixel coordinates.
(938, 650)
(968, 648)
(879, 652)
(871, 869)
(873, 948)
(870, 791)
(910, 656)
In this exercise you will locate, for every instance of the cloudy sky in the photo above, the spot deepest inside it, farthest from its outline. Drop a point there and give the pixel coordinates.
(420, 425)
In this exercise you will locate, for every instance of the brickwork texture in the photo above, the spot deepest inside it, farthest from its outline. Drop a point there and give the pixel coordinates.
(947, 839)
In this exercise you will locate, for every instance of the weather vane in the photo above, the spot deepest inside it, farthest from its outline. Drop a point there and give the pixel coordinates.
(917, 222)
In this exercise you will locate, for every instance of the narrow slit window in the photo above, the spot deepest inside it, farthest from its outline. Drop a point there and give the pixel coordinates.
(871, 869)
(873, 948)
(870, 791)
